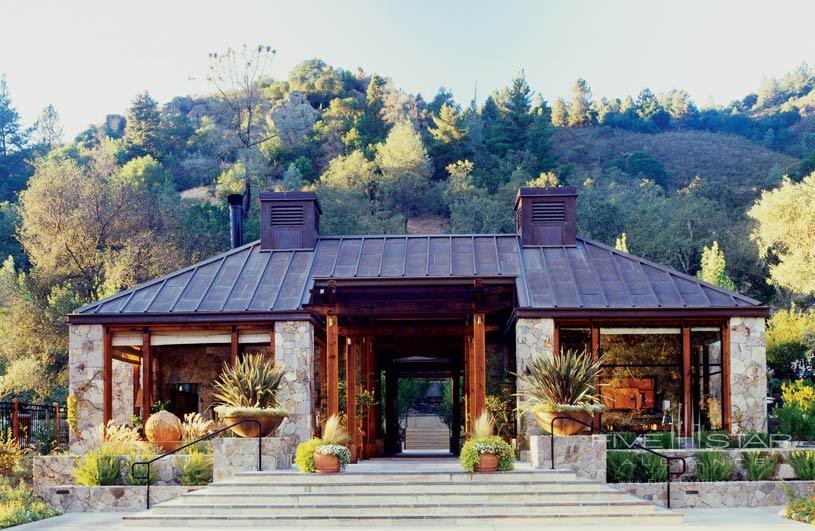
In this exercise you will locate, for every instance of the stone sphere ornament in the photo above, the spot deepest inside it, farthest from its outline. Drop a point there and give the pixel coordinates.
(164, 429)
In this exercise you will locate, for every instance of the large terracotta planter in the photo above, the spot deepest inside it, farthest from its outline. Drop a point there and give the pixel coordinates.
(326, 464)
(268, 424)
(564, 427)
(487, 462)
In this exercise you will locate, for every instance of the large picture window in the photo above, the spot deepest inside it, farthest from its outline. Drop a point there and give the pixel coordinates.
(641, 380)
(706, 368)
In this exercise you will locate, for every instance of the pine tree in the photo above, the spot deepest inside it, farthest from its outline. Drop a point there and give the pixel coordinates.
(371, 127)
(560, 113)
(580, 108)
(713, 267)
(449, 140)
(14, 146)
(514, 104)
(143, 130)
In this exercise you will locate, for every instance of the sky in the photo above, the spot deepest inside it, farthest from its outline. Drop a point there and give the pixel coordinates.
(90, 58)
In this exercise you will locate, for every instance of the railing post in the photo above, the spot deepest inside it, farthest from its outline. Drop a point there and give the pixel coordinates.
(15, 420)
(56, 423)
(260, 446)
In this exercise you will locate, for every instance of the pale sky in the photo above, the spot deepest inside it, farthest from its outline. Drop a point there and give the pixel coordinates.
(90, 58)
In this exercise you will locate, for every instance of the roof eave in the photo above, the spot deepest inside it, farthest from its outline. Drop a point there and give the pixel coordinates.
(152, 318)
(643, 313)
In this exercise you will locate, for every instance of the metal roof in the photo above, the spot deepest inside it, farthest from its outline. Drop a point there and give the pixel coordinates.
(589, 275)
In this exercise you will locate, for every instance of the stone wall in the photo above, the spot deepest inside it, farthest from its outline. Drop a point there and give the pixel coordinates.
(748, 374)
(85, 346)
(718, 494)
(76, 499)
(585, 454)
(294, 350)
(194, 364)
(122, 392)
(532, 337)
(235, 454)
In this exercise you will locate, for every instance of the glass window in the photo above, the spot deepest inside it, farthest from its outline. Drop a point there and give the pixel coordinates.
(641, 380)
(576, 339)
(706, 368)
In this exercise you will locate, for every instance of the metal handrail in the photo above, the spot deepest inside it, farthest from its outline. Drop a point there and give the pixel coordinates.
(668, 458)
(204, 438)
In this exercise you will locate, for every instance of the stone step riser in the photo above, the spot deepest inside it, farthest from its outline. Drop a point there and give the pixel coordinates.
(400, 488)
(396, 510)
(338, 499)
(501, 477)
(635, 518)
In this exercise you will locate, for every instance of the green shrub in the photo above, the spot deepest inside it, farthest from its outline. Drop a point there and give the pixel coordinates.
(98, 468)
(141, 470)
(620, 466)
(803, 462)
(755, 439)
(651, 468)
(759, 466)
(195, 470)
(18, 506)
(42, 438)
(660, 440)
(621, 440)
(304, 456)
(796, 421)
(714, 466)
(799, 507)
(717, 440)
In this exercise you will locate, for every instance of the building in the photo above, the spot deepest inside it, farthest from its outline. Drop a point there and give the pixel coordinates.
(368, 310)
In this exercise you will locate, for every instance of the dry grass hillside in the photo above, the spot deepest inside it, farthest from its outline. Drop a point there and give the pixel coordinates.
(720, 158)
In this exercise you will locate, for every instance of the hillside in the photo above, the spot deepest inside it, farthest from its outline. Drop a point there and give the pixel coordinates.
(720, 158)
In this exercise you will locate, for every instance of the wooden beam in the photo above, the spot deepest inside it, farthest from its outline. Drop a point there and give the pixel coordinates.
(107, 376)
(332, 364)
(147, 376)
(351, 393)
(407, 309)
(136, 368)
(411, 330)
(687, 381)
(234, 345)
(480, 363)
(726, 420)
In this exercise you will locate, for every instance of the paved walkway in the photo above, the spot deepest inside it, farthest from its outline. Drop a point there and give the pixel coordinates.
(761, 519)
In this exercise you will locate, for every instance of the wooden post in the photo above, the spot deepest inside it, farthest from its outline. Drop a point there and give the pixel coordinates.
(147, 376)
(107, 378)
(370, 429)
(377, 410)
(136, 368)
(56, 422)
(271, 345)
(351, 393)
(456, 421)
(392, 445)
(480, 364)
(15, 420)
(234, 345)
(332, 365)
(726, 377)
(364, 385)
(468, 388)
(595, 352)
(687, 381)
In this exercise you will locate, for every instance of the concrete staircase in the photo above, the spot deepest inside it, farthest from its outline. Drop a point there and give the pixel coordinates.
(434, 495)
(426, 432)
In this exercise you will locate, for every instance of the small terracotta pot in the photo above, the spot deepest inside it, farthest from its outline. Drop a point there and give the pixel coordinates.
(564, 427)
(326, 464)
(268, 424)
(487, 462)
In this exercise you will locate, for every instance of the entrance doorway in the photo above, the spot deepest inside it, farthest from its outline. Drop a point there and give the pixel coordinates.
(425, 421)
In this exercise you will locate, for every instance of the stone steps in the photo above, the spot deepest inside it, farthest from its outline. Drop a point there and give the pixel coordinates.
(365, 497)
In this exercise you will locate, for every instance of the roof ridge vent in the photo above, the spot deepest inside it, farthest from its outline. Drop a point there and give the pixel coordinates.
(546, 216)
(289, 220)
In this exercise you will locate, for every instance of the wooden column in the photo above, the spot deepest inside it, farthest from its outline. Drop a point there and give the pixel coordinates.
(15, 420)
(595, 352)
(687, 381)
(147, 376)
(726, 376)
(365, 385)
(456, 421)
(234, 345)
(351, 393)
(271, 344)
(479, 364)
(377, 426)
(373, 376)
(136, 368)
(332, 346)
(391, 420)
(468, 388)
(107, 377)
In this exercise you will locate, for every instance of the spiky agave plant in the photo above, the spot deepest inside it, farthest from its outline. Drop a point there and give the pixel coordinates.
(249, 383)
(561, 382)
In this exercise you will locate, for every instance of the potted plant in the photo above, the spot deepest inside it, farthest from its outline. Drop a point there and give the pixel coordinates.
(562, 386)
(485, 451)
(247, 389)
(326, 454)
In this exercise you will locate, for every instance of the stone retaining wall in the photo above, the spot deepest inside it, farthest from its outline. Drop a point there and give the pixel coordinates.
(701, 495)
(76, 499)
(748, 374)
(234, 454)
(585, 454)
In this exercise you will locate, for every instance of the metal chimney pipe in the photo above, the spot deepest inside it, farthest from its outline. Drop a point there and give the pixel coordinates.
(235, 220)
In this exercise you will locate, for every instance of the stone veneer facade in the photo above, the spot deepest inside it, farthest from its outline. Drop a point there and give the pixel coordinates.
(748, 374)
(532, 337)
(85, 383)
(585, 454)
(294, 350)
